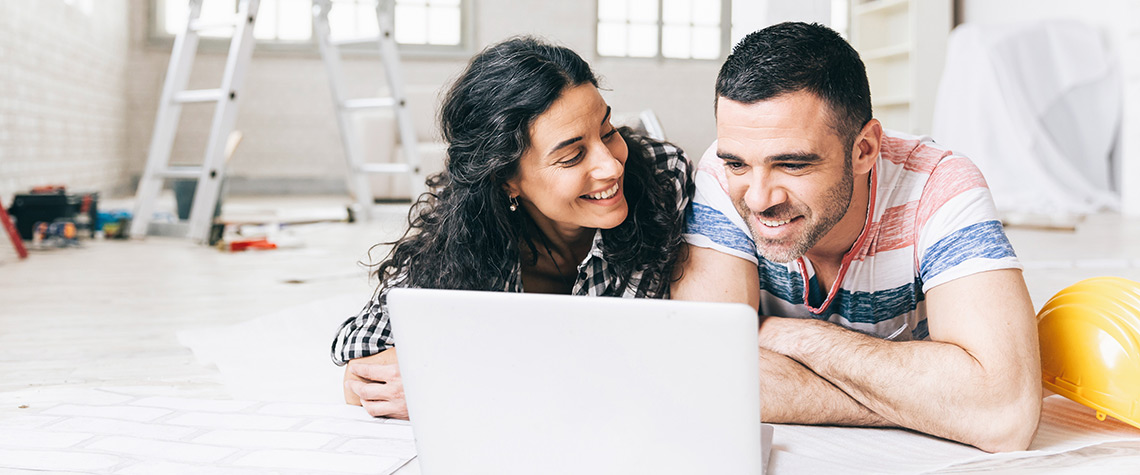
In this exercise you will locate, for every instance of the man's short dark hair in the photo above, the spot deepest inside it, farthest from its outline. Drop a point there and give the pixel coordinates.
(791, 57)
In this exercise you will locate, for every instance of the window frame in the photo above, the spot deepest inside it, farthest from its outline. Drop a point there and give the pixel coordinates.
(725, 36)
(157, 38)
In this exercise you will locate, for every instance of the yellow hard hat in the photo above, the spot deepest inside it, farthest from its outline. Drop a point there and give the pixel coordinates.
(1090, 346)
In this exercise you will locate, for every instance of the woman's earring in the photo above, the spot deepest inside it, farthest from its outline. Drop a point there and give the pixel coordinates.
(514, 203)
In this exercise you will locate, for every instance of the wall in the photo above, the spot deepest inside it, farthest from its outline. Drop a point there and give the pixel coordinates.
(290, 135)
(63, 98)
(1120, 20)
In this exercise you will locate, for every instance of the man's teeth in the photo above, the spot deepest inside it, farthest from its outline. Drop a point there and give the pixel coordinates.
(605, 194)
(772, 224)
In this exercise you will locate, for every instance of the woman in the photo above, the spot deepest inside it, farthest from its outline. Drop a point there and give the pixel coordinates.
(541, 194)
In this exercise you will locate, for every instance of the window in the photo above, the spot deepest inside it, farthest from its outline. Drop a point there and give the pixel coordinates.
(432, 23)
(661, 28)
(698, 29)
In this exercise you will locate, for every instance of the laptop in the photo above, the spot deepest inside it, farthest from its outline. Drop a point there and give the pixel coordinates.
(509, 383)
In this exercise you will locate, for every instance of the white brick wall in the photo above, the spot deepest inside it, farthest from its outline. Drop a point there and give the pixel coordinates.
(62, 95)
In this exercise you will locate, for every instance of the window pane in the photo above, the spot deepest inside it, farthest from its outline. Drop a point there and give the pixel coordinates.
(706, 42)
(612, 39)
(643, 11)
(706, 12)
(411, 24)
(676, 12)
(443, 25)
(174, 17)
(342, 21)
(294, 20)
(439, 3)
(266, 26)
(366, 26)
(675, 41)
(643, 40)
(612, 10)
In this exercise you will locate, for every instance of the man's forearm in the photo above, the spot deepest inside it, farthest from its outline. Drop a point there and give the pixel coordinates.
(933, 387)
(792, 393)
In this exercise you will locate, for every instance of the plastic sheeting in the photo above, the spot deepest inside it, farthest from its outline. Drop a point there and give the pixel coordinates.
(1037, 106)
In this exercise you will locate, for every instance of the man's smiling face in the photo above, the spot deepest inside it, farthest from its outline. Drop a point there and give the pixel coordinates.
(789, 174)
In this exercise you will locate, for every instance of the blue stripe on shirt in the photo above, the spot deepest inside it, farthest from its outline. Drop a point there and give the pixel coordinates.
(984, 240)
(711, 223)
(878, 306)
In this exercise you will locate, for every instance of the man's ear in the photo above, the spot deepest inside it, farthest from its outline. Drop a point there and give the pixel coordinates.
(867, 145)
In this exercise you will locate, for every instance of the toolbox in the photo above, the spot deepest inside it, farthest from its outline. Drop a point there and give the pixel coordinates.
(54, 204)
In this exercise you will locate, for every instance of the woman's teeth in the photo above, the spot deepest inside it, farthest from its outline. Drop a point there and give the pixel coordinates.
(604, 194)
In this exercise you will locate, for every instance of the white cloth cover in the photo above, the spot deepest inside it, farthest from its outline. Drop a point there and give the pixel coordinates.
(1037, 106)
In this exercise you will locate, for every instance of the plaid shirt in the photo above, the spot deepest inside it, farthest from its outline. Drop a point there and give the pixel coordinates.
(370, 332)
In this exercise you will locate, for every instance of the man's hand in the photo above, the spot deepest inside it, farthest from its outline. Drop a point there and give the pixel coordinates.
(374, 383)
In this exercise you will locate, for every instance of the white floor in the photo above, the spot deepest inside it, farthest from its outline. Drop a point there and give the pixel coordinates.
(164, 324)
(108, 314)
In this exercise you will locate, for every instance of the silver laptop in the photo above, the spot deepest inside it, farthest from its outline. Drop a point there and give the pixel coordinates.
(507, 383)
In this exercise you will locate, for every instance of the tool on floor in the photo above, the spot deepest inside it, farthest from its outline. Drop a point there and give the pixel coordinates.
(174, 95)
(358, 170)
(209, 174)
(1090, 346)
(13, 235)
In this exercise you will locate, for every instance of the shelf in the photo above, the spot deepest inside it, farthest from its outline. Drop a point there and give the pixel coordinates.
(878, 6)
(887, 52)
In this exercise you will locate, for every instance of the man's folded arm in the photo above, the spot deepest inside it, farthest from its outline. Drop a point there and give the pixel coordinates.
(976, 381)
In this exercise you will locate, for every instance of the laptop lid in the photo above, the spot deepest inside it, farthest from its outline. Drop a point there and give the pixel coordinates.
(508, 383)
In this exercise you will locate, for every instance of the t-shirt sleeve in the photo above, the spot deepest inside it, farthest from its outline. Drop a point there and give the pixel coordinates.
(713, 221)
(959, 232)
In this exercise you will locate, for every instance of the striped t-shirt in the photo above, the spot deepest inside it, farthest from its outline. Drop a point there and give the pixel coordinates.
(932, 220)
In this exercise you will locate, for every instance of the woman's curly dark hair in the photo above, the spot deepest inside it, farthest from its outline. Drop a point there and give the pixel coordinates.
(462, 235)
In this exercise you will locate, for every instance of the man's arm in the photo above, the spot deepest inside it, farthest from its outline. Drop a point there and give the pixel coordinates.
(791, 393)
(977, 381)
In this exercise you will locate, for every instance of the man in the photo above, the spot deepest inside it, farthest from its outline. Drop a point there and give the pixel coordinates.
(890, 294)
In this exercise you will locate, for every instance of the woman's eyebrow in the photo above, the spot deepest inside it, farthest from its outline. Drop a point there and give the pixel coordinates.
(576, 139)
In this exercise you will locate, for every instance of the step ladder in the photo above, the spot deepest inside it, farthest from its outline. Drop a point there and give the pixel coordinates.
(359, 170)
(174, 95)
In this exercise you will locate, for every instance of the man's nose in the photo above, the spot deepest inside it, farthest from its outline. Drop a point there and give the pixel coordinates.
(763, 193)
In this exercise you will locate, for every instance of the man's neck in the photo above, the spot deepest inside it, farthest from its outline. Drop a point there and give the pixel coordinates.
(827, 255)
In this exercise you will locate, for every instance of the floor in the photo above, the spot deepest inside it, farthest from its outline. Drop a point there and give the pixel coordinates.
(108, 313)
(165, 318)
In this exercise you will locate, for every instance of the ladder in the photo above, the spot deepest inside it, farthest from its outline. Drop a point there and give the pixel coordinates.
(174, 95)
(358, 170)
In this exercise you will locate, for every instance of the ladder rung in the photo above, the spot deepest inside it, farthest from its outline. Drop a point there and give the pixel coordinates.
(368, 40)
(369, 103)
(385, 168)
(199, 25)
(199, 95)
(181, 172)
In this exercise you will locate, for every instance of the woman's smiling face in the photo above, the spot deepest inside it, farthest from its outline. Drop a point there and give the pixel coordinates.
(571, 175)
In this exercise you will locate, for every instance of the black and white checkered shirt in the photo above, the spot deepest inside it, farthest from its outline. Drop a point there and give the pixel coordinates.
(370, 332)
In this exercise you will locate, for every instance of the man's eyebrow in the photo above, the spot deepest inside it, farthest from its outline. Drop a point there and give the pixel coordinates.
(800, 157)
(576, 139)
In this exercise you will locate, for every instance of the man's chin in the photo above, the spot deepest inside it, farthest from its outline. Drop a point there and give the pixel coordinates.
(778, 254)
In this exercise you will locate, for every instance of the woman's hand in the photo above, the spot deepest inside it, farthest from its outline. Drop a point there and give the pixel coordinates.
(374, 383)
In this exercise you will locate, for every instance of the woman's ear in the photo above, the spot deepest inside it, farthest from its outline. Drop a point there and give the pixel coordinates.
(865, 151)
(511, 188)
